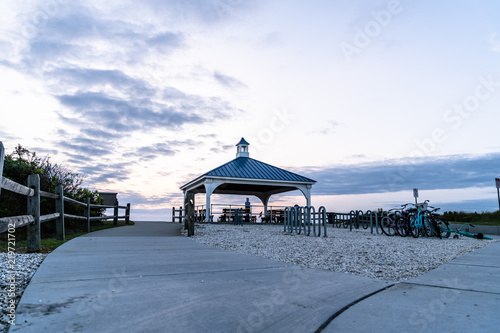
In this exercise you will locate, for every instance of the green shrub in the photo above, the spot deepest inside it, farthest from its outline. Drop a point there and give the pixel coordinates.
(472, 217)
(20, 164)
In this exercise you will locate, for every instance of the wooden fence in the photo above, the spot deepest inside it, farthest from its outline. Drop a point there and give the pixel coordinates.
(177, 214)
(33, 219)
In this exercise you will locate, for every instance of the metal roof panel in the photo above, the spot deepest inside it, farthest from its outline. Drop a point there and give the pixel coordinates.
(245, 167)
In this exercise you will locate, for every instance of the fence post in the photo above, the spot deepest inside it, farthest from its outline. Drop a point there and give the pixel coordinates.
(33, 241)
(1, 164)
(115, 213)
(60, 209)
(87, 213)
(127, 214)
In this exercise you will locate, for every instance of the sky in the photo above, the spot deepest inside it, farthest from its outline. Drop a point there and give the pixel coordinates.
(369, 98)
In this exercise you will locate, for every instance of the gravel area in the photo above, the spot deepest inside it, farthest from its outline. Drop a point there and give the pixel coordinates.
(355, 252)
(14, 280)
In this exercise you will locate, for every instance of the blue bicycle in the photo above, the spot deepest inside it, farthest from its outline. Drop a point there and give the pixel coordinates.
(420, 224)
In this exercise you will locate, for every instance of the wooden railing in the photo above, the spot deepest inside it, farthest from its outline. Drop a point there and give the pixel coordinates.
(177, 214)
(33, 219)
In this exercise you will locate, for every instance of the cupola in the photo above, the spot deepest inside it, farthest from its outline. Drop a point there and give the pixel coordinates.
(242, 148)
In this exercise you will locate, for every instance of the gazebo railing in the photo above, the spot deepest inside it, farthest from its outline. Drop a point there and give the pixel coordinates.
(253, 214)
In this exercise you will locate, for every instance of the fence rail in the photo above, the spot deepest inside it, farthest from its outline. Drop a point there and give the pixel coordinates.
(15, 187)
(33, 219)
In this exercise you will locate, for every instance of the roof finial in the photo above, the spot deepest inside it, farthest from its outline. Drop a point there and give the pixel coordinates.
(242, 150)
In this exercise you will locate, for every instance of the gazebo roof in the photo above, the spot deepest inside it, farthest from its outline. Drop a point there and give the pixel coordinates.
(247, 176)
(246, 167)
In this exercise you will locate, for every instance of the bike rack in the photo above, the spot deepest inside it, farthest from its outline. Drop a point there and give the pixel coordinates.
(303, 219)
(298, 219)
(354, 219)
(372, 214)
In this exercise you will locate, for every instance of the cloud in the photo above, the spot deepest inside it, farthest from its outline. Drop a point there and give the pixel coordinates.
(88, 150)
(166, 41)
(228, 81)
(78, 31)
(221, 148)
(204, 12)
(99, 133)
(166, 148)
(4, 134)
(89, 78)
(126, 115)
(91, 59)
(151, 152)
(448, 172)
(106, 172)
(330, 128)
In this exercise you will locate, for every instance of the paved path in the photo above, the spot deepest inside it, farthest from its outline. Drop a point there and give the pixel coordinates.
(141, 279)
(462, 295)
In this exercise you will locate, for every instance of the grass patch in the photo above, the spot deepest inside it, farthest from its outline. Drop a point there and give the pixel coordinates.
(50, 243)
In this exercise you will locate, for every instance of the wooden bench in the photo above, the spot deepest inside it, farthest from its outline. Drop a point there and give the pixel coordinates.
(274, 216)
(228, 215)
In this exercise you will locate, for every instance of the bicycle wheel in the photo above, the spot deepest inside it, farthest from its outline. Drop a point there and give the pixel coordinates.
(443, 227)
(413, 229)
(426, 226)
(401, 227)
(388, 226)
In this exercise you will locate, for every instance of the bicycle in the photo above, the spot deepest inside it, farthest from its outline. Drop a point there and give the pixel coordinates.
(403, 222)
(440, 227)
(388, 223)
(479, 235)
(399, 221)
(420, 223)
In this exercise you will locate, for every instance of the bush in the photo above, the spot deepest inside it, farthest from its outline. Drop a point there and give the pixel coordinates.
(472, 217)
(22, 163)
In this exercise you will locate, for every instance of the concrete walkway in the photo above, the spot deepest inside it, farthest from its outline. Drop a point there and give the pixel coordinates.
(142, 278)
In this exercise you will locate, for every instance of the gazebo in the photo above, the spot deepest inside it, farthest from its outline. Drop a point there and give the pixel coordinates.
(247, 176)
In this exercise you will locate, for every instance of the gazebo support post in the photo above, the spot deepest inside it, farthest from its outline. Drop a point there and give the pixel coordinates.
(210, 187)
(306, 190)
(265, 200)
